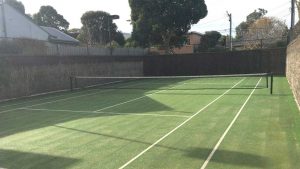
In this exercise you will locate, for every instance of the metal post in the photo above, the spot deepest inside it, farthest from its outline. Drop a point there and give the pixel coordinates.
(75, 83)
(71, 84)
(267, 78)
(109, 36)
(272, 80)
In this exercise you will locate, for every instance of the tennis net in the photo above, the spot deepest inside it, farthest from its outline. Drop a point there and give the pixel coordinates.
(168, 82)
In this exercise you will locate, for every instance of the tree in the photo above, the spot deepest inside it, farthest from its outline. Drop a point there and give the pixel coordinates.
(74, 32)
(252, 17)
(48, 16)
(130, 43)
(209, 40)
(17, 5)
(164, 22)
(243, 27)
(270, 30)
(119, 38)
(96, 27)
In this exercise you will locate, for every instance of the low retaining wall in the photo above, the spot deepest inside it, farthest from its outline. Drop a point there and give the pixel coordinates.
(293, 67)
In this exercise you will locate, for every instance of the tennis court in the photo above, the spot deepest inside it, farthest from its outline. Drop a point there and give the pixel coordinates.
(224, 122)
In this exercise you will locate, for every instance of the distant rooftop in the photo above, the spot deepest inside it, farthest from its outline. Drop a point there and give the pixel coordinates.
(197, 33)
(58, 36)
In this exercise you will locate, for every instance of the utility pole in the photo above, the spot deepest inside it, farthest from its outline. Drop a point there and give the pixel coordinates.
(293, 14)
(230, 34)
(111, 19)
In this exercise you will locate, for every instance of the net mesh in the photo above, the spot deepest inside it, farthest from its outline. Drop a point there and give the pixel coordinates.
(172, 82)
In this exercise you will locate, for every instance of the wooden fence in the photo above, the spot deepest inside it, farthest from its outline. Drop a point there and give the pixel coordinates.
(239, 62)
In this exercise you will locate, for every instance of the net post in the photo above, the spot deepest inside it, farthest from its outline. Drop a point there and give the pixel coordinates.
(71, 84)
(75, 83)
(272, 81)
(267, 78)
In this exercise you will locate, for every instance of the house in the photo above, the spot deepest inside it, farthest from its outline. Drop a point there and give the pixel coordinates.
(193, 41)
(15, 25)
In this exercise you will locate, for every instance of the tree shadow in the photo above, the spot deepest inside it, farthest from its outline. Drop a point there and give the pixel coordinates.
(230, 157)
(14, 159)
(221, 156)
(25, 120)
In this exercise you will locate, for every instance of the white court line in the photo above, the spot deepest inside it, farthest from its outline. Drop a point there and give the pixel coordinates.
(90, 95)
(165, 136)
(138, 98)
(229, 127)
(192, 83)
(68, 98)
(93, 112)
(47, 93)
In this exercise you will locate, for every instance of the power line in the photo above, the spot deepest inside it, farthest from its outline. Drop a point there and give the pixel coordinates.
(284, 5)
(212, 21)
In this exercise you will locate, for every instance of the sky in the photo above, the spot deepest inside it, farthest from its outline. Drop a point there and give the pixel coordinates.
(216, 19)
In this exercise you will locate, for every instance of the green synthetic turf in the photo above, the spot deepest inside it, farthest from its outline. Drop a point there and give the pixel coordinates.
(265, 135)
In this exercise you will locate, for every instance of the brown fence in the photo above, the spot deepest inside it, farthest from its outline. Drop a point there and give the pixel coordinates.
(28, 75)
(238, 62)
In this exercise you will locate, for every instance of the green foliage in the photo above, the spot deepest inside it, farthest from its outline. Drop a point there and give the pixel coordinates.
(74, 32)
(252, 17)
(119, 38)
(83, 36)
(243, 27)
(114, 44)
(18, 5)
(48, 16)
(96, 27)
(130, 43)
(164, 22)
(209, 40)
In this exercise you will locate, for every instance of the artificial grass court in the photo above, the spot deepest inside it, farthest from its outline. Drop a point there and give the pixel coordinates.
(218, 123)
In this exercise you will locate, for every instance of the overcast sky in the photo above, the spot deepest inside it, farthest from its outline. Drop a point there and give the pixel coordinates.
(216, 19)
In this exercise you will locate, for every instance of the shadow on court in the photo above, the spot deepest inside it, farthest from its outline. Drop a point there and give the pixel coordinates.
(230, 157)
(26, 120)
(14, 159)
(221, 156)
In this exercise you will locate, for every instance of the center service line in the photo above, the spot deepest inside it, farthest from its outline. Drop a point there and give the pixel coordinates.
(165, 136)
(229, 127)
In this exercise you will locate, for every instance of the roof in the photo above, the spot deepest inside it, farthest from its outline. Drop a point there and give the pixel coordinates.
(196, 33)
(60, 37)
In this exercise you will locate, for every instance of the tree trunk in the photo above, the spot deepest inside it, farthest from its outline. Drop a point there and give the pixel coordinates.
(166, 42)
